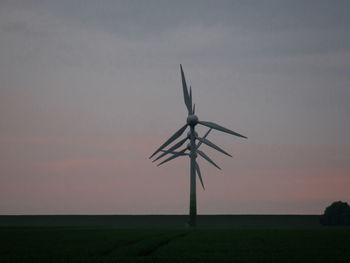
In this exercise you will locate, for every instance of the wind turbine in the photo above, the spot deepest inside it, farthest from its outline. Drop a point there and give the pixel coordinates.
(192, 148)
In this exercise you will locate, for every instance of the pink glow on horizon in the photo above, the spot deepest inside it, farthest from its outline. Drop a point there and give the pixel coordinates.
(128, 182)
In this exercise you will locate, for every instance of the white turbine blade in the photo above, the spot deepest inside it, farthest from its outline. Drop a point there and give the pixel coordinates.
(185, 90)
(220, 128)
(171, 149)
(212, 145)
(170, 140)
(178, 154)
(199, 174)
(207, 158)
(205, 136)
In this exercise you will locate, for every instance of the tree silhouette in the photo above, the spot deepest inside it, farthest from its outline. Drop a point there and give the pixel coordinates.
(337, 214)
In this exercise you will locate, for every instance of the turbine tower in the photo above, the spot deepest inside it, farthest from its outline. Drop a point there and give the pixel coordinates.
(192, 148)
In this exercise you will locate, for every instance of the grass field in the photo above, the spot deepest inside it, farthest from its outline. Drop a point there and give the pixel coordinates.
(151, 221)
(248, 241)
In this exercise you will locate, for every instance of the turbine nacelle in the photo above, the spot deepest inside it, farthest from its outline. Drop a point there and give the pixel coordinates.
(192, 120)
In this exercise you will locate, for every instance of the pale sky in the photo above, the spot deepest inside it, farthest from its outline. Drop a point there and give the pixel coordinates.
(90, 89)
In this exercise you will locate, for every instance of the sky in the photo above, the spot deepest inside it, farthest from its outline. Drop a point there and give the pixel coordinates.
(90, 89)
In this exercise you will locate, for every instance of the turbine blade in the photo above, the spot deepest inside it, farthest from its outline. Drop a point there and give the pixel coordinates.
(199, 174)
(207, 158)
(174, 152)
(212, 145)
(191, 100)
(185, 90)
(171, 149)
(205, 136)
(178, 154)
(207, 133)
(170, 140)
(220, 128)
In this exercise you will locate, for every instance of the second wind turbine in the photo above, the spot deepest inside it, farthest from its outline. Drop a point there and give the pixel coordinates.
(192, 148)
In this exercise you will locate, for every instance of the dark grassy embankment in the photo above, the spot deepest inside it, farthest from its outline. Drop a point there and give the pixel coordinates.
(101, 244)
(132, 221)
(219, 238)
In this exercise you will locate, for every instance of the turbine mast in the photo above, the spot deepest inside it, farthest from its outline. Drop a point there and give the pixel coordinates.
(193, 198)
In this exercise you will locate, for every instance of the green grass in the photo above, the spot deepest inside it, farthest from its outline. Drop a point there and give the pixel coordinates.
(240, 244)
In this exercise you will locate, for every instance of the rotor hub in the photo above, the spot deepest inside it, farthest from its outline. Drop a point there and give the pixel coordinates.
(195, 156)
(189, 134)
(189, 148)
(192, 120)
